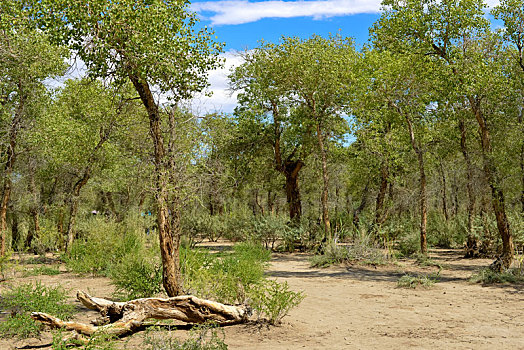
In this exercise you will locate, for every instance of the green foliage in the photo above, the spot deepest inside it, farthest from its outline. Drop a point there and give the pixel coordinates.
(274, 300)
(42, 270)
(105, 244)
(202, 337)
(97, 341)
(412, 281)
(137, 276)
(488, 276)
(227, 277)
(27, 298)
(361, 250)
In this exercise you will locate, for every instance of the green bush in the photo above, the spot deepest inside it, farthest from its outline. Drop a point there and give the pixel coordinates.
(488, 276)
(202, 337)
(97, 341)
(136, 276)
(105, 244)
(411, 281)
(42, 270)
(361, 250)
(226, 277)
(274, 300)
(27, 298)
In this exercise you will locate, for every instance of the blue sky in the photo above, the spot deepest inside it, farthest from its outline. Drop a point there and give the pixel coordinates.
(242, 23)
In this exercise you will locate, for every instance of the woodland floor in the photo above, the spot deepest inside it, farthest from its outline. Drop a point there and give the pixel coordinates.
(356, 307)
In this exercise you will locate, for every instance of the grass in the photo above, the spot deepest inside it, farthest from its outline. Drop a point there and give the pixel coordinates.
(415, 281)
(488, 276)
(26, 298)
(202, 337)
(362, 250)
(42, 270)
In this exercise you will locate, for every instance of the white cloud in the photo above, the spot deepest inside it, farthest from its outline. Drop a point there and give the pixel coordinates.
(243, 11)
(222, 100)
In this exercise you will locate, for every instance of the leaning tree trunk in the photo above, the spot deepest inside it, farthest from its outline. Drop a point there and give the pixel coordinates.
(497, 194)
(325, 180)
(169, 239)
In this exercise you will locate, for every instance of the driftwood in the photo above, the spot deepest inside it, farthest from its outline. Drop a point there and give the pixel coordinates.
(122, 318)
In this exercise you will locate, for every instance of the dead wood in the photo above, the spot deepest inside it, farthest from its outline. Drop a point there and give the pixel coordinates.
(122, 318)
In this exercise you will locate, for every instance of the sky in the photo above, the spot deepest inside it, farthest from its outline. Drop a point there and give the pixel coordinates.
(241, 24)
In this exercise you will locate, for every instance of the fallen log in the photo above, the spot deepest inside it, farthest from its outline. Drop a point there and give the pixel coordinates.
(122, 318)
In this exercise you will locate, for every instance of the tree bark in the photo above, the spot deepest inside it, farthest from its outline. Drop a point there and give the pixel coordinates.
(422, 194)
(497, 194)
(379, 207)
(169, 237)
(444, 193)
(291, 170)
(73, 208)
(360, 208)
(325, 180)
(469, 174)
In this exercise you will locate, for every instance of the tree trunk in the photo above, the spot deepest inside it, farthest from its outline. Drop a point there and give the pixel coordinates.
(73, 209)
(363, 202)
(169, 237)
(497, 194)
(422, 194)
(8, 172)
(443, 191)
(379, 207)
(469, 174)
(325, 180)
(34, 232)
(291, 170)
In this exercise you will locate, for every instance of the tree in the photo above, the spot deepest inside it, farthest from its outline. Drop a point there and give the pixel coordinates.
(152, 44)
(26, 60)
(456, 34)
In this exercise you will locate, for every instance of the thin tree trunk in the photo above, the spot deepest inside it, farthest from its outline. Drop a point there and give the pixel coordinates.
(15, 232)
(469, 174)
(379, 207)
(34, 232)
(422, 195)
(291, 171)
(497, 194)
(443, 191)
(73, 208)
(325, 179)
(363, 202)
(169, 237)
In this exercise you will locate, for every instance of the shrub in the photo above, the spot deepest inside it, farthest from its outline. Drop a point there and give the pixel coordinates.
(362, 250)
(136, 276)
(97, 341)
(106, 245)
(202, 337)
(42, 270)
(411, 281)
(488, 276)
(28, 298)
(274, 300)
(226, 277)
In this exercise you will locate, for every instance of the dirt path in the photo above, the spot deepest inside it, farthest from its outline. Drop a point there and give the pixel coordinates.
(360, 307)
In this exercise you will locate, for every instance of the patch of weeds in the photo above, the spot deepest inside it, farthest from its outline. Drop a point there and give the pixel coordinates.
(136, 277)
(27, 298)
(98, 341)
(274, 300)
(42, 270)
(488, 276)
(202, 337)
(426, 261)
(362, 250)
(412, 281)
(226, 278)
(5, 265)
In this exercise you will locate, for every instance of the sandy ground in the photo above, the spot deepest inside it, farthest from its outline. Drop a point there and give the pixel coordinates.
(359, 307)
